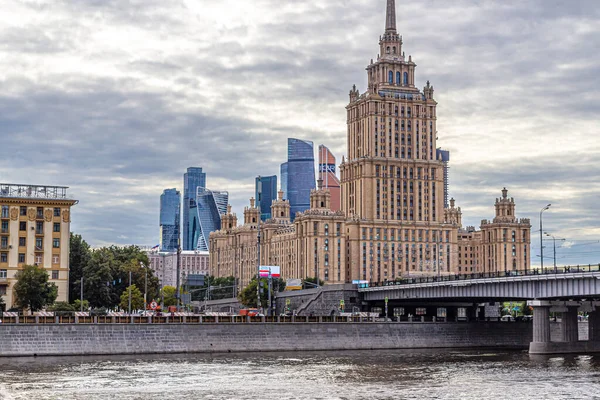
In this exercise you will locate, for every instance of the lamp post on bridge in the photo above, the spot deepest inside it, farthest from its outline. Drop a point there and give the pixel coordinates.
(542, 238)
(554, 239)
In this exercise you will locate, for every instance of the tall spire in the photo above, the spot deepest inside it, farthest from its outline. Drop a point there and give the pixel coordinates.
(390, 16)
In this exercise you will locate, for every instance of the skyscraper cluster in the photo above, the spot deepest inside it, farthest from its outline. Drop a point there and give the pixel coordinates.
(203, 207)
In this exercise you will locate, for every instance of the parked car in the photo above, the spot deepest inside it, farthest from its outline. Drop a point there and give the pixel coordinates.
(507, 318)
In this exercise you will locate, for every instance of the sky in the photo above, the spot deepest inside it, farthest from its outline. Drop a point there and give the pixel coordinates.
(116, 98)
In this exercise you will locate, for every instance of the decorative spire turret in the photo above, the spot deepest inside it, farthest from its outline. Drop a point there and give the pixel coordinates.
(390, 16)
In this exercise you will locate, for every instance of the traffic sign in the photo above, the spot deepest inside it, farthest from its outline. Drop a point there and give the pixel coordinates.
(153, 305)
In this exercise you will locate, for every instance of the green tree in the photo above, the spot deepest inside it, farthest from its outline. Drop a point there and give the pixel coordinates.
(247, 295)
(61, 306)
(137, 299)
(32, 290)
(79, 257)
(77, 305)
(169, 295)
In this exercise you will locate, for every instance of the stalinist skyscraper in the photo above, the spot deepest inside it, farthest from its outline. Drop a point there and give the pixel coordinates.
(393, 222)
(392, 181)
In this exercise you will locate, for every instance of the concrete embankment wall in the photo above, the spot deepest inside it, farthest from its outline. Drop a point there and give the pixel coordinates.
(46, 340)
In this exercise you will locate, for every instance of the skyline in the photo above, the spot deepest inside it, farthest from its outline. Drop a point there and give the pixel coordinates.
(93, 93)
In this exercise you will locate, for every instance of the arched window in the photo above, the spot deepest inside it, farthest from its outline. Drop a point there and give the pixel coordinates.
(326, 229)
(394, 50)
(387, 50)
(397, 78)
(282, 213)
(326, 259)
(406, 78)
(391, 77)
(409, 143)
(409, 126)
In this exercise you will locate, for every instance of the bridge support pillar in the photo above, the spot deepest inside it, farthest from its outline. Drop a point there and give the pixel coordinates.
(594, 326)
(541, 321)
(568, 326)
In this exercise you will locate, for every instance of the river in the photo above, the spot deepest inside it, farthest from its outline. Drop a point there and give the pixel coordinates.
(394, 374)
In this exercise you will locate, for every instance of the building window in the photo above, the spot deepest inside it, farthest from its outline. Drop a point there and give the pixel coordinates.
(4, 226)
(56, 243)
(3, 273)
(22, 226)
(39, 243)
(326, 229)
(4, 211)
(40, 212)
(22, 242)
(55, 259)
(397, 78)
(23, 211)
(406, 78)
(56, 227)
(38, 259)
(391, 77)
(54, 274)
(39, 228)
(57, 212)
(3, 258)
(21, 258)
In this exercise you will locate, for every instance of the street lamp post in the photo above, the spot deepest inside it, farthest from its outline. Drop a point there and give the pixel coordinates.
(145, 286)
(130, 292)
(259, 192)
(542, 238)
(554, 245)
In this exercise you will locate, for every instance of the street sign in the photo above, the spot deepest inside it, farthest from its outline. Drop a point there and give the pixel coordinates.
(153, 305)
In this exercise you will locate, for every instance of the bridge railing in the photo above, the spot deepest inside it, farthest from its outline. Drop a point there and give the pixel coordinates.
(484, 275)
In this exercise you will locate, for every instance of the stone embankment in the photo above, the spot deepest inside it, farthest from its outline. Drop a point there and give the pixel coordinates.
(108, 339)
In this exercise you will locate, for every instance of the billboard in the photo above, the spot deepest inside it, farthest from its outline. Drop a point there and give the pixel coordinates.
(275, 271)
(293, 284)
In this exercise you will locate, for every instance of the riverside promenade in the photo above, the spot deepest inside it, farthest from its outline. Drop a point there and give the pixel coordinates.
(133, 335)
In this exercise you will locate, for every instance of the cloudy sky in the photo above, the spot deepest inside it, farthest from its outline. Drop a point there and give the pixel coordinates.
(116, 98)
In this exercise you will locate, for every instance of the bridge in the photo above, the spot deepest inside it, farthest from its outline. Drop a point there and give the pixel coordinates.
(565, 290)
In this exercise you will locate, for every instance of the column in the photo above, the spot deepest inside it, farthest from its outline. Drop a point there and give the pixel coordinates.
(541, 323)
(594, 326)
(568, 326)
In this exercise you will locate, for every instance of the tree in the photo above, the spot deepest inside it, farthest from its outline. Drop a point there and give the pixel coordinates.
(247, 295)
(2, 304)
(169, 295)
(106, 275)
(61, 306)
(137, 299)
(32, 290)
(312, 280)
(79, 257)
(77, 305)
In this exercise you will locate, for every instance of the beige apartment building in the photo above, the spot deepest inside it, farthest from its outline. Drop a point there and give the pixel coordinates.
(164, 265)
(35, 229)
(393, 222)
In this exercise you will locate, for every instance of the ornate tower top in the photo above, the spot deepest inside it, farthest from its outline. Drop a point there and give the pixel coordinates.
(390, 16)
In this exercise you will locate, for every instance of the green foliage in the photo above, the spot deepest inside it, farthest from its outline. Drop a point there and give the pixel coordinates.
(106, 275)
(137, 299)
(169, 295)
(247, 296)
(61, 306)
(79, 257)
(77, 305)
(32, 290)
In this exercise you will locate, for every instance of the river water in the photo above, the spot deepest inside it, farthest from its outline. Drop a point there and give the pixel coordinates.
(397, 374)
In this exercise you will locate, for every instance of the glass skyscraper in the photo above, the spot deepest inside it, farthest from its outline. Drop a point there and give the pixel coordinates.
(170, 213)
(300, 175)
(210, 206)
(192, 180)
(268, 193)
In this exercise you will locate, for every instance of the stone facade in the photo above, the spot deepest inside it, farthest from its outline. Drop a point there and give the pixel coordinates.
(393, 222)
(35, 230)
(99, 339)
(164, 265)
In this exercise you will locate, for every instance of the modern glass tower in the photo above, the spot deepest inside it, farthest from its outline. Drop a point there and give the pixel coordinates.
(328, 176)
(210, 206)
(300, 175)
(268, 193)
(284, 179)
(192, 180)
(170, 213)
